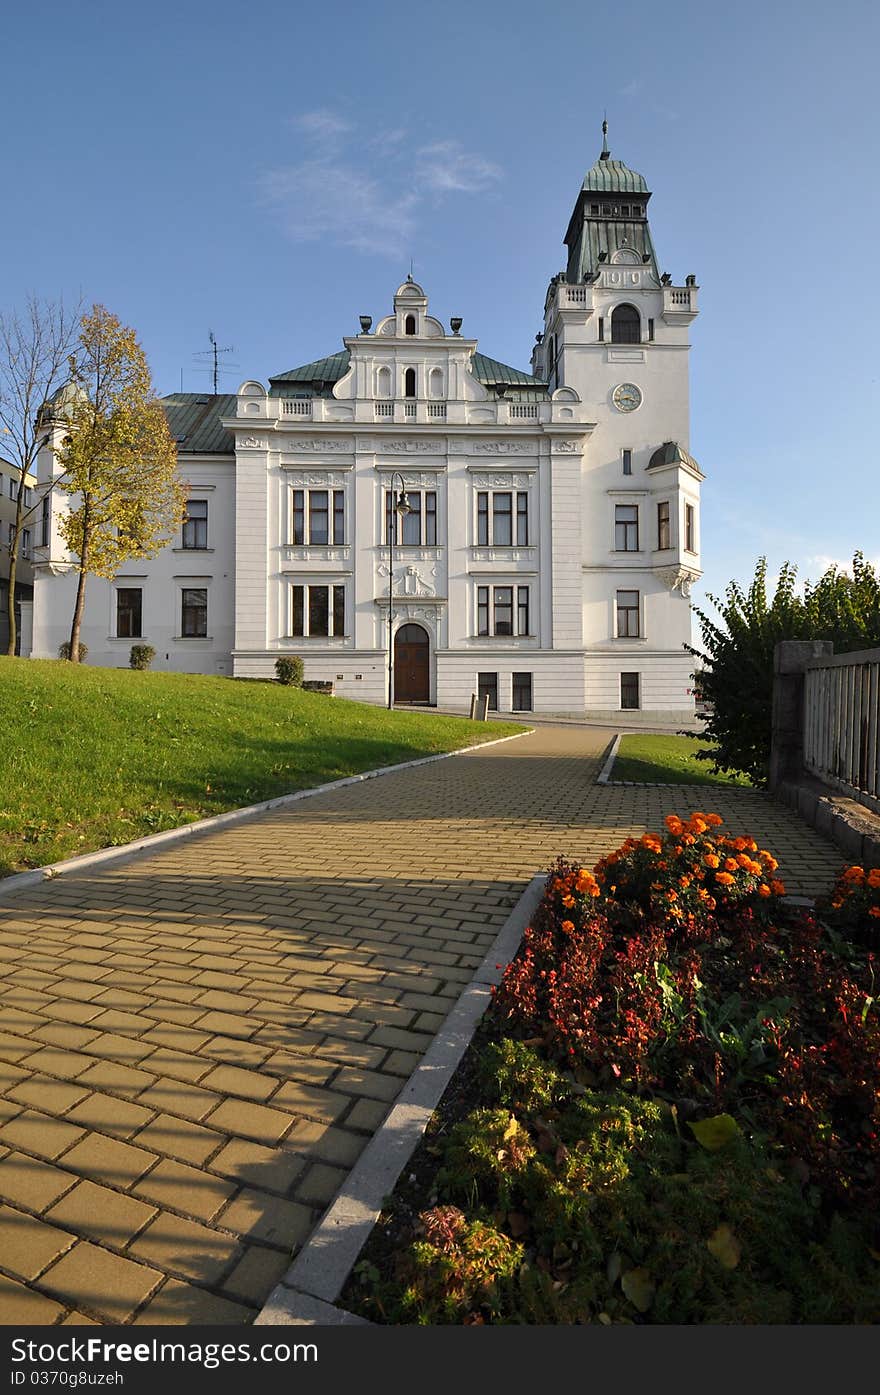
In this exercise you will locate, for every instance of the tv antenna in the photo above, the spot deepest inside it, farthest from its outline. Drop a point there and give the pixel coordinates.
(214, 353)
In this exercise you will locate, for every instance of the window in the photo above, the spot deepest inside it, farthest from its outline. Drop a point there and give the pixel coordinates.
(311, 516)
(12, 490)
(601, 328)
(409, 383)
(689, 534)
(195, 524)
(487, 687)
(495, 610)
(625, 325)
(627, 457)
(502, 615)
(129, 608)
(25, 542)
(664, 534)
(418, 528)
(522, 692)
(624, 210)
(501, 507)
(28, 497)
(409, 327)
(594, 210)
(194, 613)
(626, 528)
(318, 610)
(44, 521)
(651, 330)
(629, 691)
(627, 614)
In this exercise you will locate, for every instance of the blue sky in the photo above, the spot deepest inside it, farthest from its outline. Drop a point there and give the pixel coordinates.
(266, 171)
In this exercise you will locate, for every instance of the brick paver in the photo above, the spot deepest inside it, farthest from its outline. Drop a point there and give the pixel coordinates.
(196, 1046)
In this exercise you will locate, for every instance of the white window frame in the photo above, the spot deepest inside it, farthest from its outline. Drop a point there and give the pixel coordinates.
(327, 583)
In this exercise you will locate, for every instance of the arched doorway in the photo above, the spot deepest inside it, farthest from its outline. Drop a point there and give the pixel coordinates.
(412, 678)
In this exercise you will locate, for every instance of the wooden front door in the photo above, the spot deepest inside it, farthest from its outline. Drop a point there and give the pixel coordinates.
(412, 681)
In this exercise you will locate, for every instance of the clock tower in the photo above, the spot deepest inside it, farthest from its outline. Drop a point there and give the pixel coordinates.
(616, 332)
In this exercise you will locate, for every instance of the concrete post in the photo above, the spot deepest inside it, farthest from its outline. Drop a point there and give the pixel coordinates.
(791, 658)
(26, 629)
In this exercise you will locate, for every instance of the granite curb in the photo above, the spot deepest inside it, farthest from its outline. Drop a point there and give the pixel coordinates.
(307, 1293)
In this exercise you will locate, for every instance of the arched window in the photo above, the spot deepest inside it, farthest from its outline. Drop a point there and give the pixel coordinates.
(435, 383)
(409, 383)
(409, 326)
(626, 326)
(383, 382)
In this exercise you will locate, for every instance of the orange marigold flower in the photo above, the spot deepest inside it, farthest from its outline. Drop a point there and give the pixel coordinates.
(672, 895)
(711, 902)
(874, 912)
(688, 839)
(568, 901)
(697, 825)
(712, 860)
(586, 883)
(731, 864)
(745, 861)
(740, 844)
(673, 823)
(763, 889)
(724, 878)
(874, 877)
(714, 820)
(778, 888)
(685, 881)
(856, 875)
(568, 927)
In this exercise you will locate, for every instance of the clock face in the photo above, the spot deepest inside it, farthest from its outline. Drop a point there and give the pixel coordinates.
(626, 397)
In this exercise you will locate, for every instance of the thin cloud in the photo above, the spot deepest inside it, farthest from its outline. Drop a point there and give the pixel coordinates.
(322, 125)
(367, 194)
(445, 167)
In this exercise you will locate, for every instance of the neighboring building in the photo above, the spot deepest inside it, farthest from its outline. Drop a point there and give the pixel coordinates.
(10, 475)
(554, 525)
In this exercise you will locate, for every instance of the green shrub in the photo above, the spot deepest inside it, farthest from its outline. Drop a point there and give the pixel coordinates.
(604, 1208)
(64, 651)
(289, 670)
(141, 656)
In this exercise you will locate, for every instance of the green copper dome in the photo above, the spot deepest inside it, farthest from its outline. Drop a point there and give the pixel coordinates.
(609, 176)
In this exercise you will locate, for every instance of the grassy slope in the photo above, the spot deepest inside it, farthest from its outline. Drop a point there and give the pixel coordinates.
(667, 760)
(91, 757)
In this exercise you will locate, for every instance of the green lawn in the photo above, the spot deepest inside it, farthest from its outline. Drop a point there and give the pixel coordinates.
(92, 757)
(667, 760)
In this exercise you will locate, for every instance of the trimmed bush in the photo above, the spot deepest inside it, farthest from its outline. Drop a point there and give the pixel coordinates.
(141, 656)
(289, 670)
(64, 651)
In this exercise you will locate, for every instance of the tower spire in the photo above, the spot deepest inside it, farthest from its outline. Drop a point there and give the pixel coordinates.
(606, 153)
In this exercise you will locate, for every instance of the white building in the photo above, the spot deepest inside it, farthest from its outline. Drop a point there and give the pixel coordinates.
(553, 531)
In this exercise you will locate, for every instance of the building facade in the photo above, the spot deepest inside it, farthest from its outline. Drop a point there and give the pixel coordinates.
(551, 524)
(10, 478)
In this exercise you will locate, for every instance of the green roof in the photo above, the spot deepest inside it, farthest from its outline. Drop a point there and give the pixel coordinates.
(327, 371)
(324, 370)
(671, 453)
(194, 419)
(609, 176)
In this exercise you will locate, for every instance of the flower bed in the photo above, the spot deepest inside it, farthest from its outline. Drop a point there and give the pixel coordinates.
(679, 1107)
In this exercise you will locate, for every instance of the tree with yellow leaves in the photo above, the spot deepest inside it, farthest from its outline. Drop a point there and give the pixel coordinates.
(118, 458)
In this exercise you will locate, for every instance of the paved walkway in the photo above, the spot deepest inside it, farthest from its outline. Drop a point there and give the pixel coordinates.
(196, 1046)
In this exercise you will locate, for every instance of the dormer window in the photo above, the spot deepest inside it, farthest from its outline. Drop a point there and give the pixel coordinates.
(409, 383)
(626, 326)
(409, 327)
